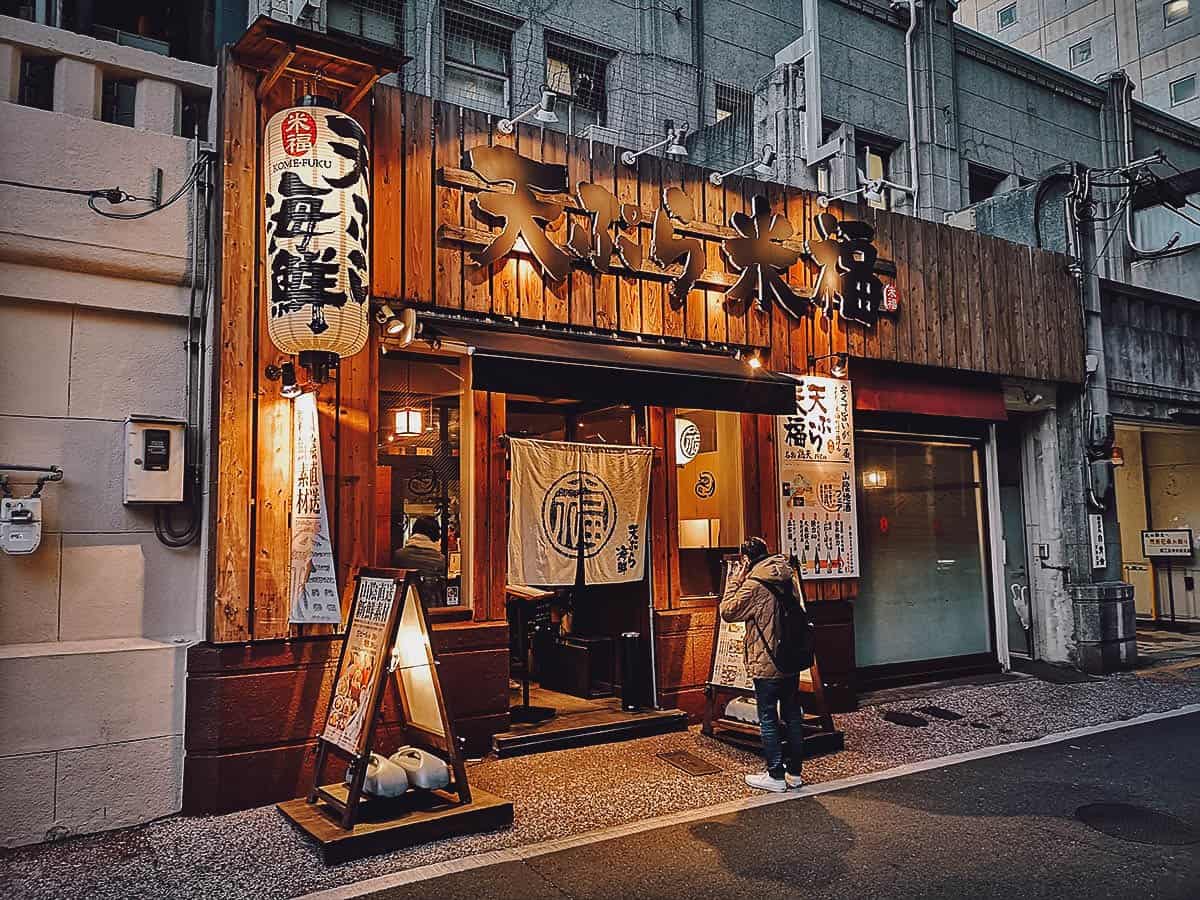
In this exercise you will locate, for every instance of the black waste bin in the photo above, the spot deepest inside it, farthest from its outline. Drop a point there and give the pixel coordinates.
(635, 691)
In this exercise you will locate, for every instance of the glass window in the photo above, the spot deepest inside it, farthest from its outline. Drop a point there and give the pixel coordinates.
(923, 594)
(380, 21)
(1175, 11)
(579, 78)
(982, 182)
(1183, 90)
(708, 489)
(873, 163)
(117, 100)
(36, 87)
(477, 63)
(1007, 17)
(1081, 53)
(422, 472)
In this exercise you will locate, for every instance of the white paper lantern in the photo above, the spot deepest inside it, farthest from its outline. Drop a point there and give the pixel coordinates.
(317, 202)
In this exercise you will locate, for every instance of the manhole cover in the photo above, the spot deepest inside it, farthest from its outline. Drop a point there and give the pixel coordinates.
(689, 762)
(908, 720)
(1138, 824)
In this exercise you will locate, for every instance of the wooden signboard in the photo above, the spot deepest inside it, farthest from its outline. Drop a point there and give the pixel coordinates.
(728, 678)
(387, 646)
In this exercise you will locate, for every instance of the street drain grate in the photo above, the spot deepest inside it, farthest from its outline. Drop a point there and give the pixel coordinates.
(1138, 824)
(908, 720)
(689, 762)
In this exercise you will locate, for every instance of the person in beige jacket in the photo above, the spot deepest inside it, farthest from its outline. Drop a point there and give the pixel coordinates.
(748, 599)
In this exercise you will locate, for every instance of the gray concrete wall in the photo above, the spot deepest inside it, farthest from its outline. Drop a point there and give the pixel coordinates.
(94, 624)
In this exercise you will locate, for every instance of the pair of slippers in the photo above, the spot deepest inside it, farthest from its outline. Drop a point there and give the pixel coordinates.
(391, 776)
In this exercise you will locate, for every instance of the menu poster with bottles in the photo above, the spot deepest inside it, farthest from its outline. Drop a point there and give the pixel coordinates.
(817, 509)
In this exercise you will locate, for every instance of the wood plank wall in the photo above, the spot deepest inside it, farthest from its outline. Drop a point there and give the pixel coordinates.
(967, 302)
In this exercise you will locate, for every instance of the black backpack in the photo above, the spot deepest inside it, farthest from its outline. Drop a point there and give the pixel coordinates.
(794, 652)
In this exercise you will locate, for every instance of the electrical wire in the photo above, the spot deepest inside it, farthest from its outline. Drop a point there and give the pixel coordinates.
(113, 195)
(183, 189)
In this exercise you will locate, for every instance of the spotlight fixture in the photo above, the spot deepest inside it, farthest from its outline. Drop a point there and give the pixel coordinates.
(289, 387)
(675, 142)
(754, 362)
(764, 166)
(392, 324)
(871, 189)
(543, 111)
(839, 367)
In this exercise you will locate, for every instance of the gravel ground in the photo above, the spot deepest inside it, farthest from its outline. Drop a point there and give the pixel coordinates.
(257, 854)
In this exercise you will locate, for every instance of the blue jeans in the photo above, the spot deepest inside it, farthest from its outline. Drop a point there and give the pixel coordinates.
(780, 693)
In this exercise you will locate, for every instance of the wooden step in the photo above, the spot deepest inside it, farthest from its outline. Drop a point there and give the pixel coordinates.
(587, 729)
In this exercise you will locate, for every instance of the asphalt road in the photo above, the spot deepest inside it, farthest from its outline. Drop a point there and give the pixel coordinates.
(1006, 827)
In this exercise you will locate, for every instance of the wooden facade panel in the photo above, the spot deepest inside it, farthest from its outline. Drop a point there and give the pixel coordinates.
(418, 212)
(230, 619)
(477, 296)
(581, 289)
(448, 277)
(387, 191)
(649, 178)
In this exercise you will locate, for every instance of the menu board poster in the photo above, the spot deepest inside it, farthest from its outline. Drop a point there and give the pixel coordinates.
(364, 662)
(1167, 543)
(817, 506)
(729, 660)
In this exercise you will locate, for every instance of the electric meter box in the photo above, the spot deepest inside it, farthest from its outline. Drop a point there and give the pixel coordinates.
(154, 460)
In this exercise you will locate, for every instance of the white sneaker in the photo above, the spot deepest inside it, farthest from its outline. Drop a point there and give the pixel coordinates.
(793, 781)
(764, 782)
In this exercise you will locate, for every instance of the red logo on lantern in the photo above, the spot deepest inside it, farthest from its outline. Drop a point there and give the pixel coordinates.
(891, 298)
(299, 132)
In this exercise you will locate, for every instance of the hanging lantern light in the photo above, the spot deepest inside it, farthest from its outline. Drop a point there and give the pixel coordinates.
(409, 422)
(316, 176)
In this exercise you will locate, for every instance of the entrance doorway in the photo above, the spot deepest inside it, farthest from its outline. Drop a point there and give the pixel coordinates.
(923, 602)
(569, 644)
(1018, 587)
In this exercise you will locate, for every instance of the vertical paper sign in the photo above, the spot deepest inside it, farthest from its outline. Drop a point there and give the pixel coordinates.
(817, 510)
(1096, 535)
(365, 659)
(313, 577)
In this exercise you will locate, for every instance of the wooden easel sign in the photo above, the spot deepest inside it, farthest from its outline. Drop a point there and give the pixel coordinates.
(387, 643)
(728, 678)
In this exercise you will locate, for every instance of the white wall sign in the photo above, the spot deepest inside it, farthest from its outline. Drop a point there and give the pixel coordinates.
(313, 577)
(817, 507)
(1169, 543)
(1096, 534)
(687, 441)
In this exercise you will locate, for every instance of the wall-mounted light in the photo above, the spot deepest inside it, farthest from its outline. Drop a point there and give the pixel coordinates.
(387, 318)
(764, 166)
(873, 479)
(754, 361)
(837, 369)
(675, 142)
(871, 188)
(543, 111)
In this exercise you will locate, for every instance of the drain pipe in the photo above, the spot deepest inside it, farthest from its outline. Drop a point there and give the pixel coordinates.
(910, 77)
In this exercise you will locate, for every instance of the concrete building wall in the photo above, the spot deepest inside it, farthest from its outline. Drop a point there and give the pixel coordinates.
(94, 624)
(1126, 34)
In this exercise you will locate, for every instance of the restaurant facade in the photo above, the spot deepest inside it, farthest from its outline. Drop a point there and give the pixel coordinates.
(526, 284)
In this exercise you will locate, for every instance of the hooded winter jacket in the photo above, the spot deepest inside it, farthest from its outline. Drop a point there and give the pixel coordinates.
(748, 601)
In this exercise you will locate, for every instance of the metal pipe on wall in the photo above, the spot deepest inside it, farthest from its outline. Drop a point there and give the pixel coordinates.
(913, 170)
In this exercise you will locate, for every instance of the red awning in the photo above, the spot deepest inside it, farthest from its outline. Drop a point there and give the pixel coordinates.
(957, 395)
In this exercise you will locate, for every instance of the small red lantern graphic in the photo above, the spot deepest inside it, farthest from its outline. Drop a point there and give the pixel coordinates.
(299, 132)
(891, 298)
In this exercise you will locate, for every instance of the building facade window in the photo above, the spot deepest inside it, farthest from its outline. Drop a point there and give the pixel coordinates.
(709, 496)
(578, 75)
(379, 21)
(477, 64)
(1081, 53)
(1183, 90)
(36, 87)
(1006, 17)
(982, 182)
(1175, 11)
(116, 101)
(421, 472)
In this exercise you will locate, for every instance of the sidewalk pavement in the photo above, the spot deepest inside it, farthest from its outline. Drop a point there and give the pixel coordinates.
(256, 854)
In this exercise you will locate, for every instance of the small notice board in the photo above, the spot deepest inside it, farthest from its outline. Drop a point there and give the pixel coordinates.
(728, 678)
(1170, 543)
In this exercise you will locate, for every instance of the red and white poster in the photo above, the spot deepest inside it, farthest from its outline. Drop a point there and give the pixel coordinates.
(817, 509)
(365, 661)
